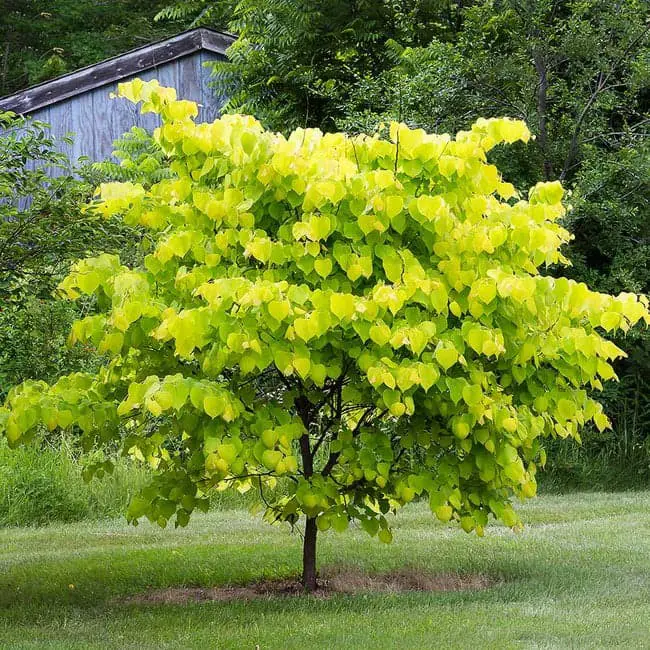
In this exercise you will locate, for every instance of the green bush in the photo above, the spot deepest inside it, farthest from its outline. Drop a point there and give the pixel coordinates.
(33, 337)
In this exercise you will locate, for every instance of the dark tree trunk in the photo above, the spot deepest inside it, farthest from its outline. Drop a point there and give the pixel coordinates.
(542, 92)
(309, 555)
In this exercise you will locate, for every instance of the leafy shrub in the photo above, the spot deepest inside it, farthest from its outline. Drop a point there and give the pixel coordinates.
(33, 337)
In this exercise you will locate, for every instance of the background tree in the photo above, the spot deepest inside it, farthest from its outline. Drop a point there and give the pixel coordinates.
(296, 63)
(390, 286)
(41, 223)
(45, 38)
(577, 72)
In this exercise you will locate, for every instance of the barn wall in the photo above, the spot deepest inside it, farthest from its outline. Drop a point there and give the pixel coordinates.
(97, 121)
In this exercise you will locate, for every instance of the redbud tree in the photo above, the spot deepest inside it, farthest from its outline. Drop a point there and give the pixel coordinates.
(343, 324)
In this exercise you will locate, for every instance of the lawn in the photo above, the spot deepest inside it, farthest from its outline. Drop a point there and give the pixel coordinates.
(578, 576)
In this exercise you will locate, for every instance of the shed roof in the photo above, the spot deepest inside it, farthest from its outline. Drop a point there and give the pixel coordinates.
(116, 68)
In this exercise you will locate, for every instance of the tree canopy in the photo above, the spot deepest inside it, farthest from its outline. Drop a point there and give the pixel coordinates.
(344, 324)
(41, 39)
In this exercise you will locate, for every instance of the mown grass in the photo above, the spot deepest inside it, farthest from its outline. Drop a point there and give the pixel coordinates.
(578, 576)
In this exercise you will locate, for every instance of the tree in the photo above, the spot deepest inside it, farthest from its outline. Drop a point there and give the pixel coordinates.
(38, 213)
(41, 39)
(576, 72)
(579, 74)
(42, 221)
(43, 227)
(296, 63)
(343, 324)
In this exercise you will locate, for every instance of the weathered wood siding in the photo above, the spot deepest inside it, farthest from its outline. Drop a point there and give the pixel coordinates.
(96, 121)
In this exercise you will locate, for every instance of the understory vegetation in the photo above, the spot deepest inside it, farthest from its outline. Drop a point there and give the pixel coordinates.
(43, 484)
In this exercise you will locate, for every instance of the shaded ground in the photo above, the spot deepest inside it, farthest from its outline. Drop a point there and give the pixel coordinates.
(339, 580)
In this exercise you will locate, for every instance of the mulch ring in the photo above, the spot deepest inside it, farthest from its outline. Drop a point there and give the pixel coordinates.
(338, 580)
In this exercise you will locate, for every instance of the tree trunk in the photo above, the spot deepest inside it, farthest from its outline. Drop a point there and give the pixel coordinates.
(542, 91)
(309, 555)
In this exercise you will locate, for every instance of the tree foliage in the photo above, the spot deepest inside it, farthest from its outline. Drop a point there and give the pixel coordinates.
(43, 227)
(295, 63)
(361, 319)
(576, 72)
(42, 224)
(33, 334)
(194, 13)
(41, 39)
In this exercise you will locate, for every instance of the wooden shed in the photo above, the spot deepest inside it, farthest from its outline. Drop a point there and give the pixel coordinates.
(79, 102)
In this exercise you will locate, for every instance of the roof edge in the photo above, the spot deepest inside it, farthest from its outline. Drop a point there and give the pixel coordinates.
(116, 68)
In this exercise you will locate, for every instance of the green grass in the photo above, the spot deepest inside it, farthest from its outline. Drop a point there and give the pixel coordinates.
(578, 576)
(42, 483)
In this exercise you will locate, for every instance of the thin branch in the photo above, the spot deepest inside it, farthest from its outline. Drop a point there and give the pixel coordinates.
(334, 456)
(601, 86)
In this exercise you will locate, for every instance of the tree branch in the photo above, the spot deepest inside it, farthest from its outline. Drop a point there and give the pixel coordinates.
(334, 456)
(601, 86)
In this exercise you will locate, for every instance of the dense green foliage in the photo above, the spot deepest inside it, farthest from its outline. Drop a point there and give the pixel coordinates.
(361, 319)
(41, 484)
(40, 39)
(577, 72)
(41, 230)
(33, 334)
(295, 64)
(43, 227)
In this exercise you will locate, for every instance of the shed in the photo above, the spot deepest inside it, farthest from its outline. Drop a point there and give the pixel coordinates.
(79, 102)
